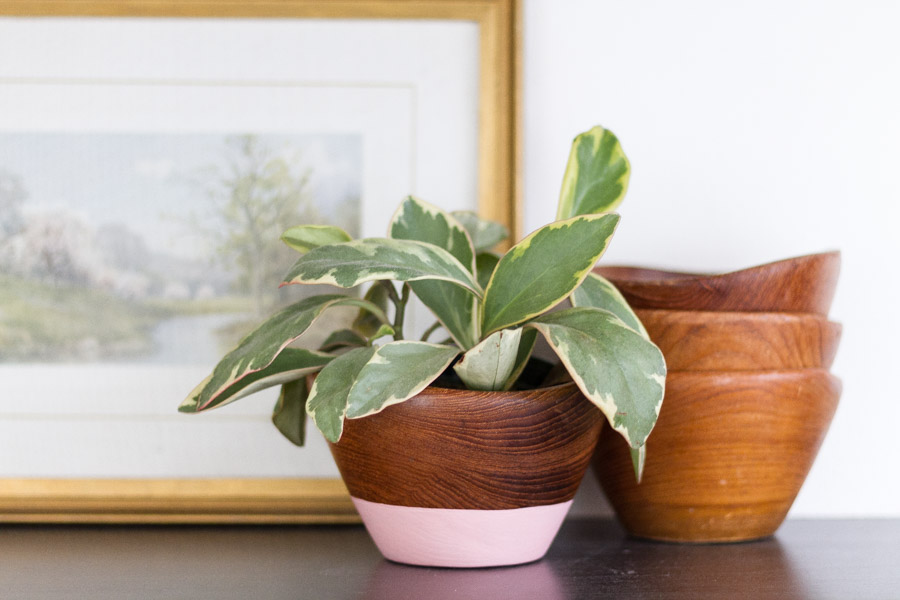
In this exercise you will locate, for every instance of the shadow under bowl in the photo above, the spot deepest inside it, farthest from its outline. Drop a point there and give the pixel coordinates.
(741, 341)
(805, 284)
(727, 457)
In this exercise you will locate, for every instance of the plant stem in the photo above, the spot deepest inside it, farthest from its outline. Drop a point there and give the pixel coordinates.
(430, 330)
(400, 310)
(391, 291)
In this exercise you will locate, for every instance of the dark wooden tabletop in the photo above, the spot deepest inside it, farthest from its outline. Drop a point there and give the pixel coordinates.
(590, 559)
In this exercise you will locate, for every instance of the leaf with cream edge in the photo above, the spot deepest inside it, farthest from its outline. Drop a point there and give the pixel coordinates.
(614, 366)
(598, 292)
(543, 269)
(596, 176)
(417, 220)
(395, 373)
(349, 264)
(489, 365)
(526, 345)
(260, 347)
(304, 238)
(289, 415)
(456, 308)
(327, 403)
(289, 365)
(483, 233)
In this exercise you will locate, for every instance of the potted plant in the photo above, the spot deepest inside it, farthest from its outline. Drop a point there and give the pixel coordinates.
(458, 453)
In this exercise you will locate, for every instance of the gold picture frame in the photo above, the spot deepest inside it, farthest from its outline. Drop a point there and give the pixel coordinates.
(258, 500)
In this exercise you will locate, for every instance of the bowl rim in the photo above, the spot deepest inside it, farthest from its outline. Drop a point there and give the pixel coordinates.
(679, 277)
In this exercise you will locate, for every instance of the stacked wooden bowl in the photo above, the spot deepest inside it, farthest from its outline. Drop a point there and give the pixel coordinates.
(749, 398)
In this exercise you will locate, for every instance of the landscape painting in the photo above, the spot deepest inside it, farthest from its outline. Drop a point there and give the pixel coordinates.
(119, 248)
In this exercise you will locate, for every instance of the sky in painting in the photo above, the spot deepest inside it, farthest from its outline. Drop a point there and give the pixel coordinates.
(151, 183)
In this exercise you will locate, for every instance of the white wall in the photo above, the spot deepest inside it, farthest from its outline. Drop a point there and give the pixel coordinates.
(756, 131)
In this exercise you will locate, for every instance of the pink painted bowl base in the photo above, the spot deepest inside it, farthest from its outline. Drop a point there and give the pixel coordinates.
(449, 537)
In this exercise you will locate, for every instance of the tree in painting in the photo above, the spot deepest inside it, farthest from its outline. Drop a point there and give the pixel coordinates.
(256, 195)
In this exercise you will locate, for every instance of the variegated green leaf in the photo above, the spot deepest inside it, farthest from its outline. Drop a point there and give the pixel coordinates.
(327, 404)
(483, 233)
(489, 365)
(367, 323)
(423, 222)
(289, 415)
(526, 345)
(352, 263)
(397, 372)
(485, 263)
(596, 177)
(456, 308)
(342, 338)
(617, 369)
(289, 365)
(543, 269)
(259, 348)
(598, 292)
(304, 238)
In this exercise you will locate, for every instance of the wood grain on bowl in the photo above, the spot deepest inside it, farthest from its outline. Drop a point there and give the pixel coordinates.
(465, 449)
(804, 284)
(741, 341)
(728, 456)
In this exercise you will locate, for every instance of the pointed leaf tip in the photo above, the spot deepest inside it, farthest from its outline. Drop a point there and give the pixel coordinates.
(638, 457)
(257, 351)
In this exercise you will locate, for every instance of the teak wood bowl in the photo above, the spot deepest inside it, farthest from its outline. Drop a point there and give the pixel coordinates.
(727, 457)
(741, 341)
(804, 284)
(466, 478)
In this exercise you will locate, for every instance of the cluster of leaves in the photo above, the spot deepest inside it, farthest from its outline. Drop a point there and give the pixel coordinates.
(493, 308)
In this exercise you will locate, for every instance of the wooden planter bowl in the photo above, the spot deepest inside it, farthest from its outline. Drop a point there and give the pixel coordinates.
(476, 472)
(805, 284)
(741, 341)
(727, 457)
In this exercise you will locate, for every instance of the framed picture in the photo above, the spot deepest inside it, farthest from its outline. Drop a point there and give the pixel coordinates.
(150, 154)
